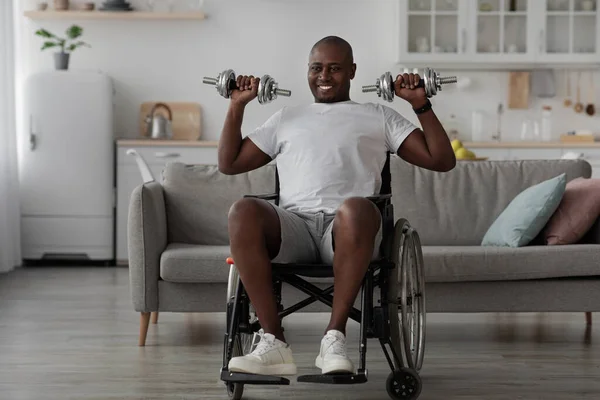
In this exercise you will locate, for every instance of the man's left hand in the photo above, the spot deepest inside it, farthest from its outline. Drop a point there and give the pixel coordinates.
(406, 88)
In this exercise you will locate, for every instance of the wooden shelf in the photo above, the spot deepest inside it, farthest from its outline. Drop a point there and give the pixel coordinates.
(114, 15)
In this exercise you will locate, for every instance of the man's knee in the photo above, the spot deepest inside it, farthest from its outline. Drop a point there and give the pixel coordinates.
(357, 217)
(243, 211)
(251, 220)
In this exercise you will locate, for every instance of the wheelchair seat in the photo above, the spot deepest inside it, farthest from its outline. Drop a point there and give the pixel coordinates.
(397, 320)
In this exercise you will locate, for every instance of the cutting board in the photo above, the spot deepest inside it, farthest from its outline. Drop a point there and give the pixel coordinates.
(518, 90)
(187, 119)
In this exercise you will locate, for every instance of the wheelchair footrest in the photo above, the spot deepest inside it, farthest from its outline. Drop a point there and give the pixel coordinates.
(336, 379)
(253, 379)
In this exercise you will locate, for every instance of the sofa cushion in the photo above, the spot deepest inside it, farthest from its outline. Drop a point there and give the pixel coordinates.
(458, 207)
(526, 215)
(478, 263)
(198, 199)
(182, 262)
(576, 213)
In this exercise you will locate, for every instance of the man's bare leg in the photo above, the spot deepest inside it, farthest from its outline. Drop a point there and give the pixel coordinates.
(355, 227)
(255, 239)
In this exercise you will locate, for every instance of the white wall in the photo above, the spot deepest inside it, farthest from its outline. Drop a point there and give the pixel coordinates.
(166, 60)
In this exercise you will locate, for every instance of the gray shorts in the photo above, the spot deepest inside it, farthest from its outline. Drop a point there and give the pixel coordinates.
(307, 238)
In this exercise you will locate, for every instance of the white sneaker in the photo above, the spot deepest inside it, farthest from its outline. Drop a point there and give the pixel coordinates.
(270, 357)
(332, 357)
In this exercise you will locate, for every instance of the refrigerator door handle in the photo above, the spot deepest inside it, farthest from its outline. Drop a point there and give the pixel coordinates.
(32, 136)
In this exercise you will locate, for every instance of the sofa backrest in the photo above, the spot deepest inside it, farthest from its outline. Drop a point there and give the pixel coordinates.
(198, 199)
(458, 207)
(450, 208)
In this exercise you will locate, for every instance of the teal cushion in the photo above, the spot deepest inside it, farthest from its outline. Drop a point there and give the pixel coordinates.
(527, 214)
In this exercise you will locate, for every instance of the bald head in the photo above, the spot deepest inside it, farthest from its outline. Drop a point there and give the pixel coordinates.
(337, 42)
(330, 69)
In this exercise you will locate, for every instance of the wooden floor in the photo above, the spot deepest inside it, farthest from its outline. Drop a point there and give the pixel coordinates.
(71, 333)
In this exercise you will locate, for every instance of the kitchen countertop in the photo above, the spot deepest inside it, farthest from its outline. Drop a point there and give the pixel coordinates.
(474, 145)
(531, 145)
(163, 143)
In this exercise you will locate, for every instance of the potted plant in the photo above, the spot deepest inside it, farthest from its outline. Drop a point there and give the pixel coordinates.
(67, 45)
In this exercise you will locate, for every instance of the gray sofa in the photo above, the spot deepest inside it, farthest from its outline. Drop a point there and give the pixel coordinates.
(178, 240)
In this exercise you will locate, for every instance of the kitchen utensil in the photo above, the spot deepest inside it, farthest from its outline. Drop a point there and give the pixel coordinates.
(568, 102)
(518, 89)
(499, 111)
(530, 130)
(543, 83)
(578, 106)
(186, 122)
(591, 109)
(157, 126)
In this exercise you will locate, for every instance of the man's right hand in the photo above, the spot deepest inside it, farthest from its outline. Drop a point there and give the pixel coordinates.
(247, 89)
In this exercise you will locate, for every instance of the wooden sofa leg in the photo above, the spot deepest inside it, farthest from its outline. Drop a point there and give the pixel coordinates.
(155, 317)
(588, 318)
(144, 322)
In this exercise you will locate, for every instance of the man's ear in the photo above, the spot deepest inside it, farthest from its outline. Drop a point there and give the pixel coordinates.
(353, 71)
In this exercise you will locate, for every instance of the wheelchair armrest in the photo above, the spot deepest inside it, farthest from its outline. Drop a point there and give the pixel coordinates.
(270, 196)
(380, 198)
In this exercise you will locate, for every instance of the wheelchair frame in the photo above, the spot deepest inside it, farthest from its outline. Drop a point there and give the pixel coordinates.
(398, 274)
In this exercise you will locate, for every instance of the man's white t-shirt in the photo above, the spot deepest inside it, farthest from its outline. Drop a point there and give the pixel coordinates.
(327, 152)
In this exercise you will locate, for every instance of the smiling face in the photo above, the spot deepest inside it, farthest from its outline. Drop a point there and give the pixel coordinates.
(330, 70)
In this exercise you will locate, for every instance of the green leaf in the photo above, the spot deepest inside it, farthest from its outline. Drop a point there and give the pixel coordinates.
(44, 33)
(74, 32)
(78, 44)
(48, 45)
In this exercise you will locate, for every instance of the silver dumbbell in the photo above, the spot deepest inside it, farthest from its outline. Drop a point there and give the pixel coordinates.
(268, 89)
(431, 81)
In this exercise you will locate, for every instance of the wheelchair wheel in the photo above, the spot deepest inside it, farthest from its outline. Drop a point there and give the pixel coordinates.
(412, 302)
(243, 342)
(408, 330)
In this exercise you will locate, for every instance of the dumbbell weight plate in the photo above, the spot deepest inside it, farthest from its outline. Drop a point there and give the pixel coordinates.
(386, 84)
(266, 91)
(226, 83)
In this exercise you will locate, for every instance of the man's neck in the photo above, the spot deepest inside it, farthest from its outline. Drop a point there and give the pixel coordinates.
(333, 102)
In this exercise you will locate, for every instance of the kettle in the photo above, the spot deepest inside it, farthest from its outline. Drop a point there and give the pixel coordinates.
(157, 126)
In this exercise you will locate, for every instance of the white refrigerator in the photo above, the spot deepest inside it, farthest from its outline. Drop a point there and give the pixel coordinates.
(66, 160)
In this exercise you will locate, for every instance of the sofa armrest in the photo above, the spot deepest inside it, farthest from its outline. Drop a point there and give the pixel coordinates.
(147, 239)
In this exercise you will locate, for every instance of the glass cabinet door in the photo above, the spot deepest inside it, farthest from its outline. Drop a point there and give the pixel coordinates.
(501, 28)
(569, 30)
(433, 29)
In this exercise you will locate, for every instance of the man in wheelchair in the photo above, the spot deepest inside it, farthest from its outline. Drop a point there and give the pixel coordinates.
(330, 156)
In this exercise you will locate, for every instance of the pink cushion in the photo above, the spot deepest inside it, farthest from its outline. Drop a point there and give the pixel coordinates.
(576, 213)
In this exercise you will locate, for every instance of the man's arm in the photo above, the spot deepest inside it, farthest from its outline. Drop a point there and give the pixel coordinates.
(428, 147)
(237, 155)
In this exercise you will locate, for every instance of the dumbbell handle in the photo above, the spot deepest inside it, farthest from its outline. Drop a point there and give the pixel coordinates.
(443, 81)
(213, 81)
(233, 85)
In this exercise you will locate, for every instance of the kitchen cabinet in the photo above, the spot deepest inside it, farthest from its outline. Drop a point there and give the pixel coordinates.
(497, 34)
(157, 154)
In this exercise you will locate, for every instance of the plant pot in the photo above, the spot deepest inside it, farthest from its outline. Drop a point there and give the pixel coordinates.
(61, 5)
(61, 61)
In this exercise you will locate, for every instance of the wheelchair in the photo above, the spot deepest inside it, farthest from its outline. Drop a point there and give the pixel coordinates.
(396, 318)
